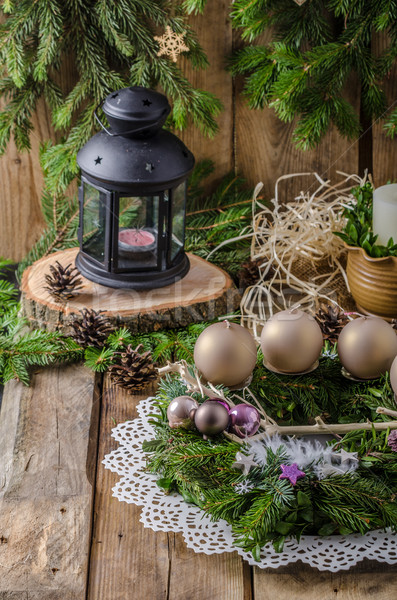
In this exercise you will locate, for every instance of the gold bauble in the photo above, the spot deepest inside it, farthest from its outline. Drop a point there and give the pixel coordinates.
(291, 341)
(367, 347)
(393, 376)
(225, 353)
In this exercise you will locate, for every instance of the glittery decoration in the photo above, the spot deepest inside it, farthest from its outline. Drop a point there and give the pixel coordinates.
(292, 473)
(243, 487)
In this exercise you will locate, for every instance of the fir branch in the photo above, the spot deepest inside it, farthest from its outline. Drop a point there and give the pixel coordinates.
(20, 351)
(99, 359)
(112, 45)
(305, 69)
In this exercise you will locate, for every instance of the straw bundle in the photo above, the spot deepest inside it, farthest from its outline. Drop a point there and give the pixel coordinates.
(302, 262)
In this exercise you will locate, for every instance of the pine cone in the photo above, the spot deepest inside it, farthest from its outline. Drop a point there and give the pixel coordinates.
(249, 273)
(133, 371)
(331, 321)
(92, 329)
(63, 282)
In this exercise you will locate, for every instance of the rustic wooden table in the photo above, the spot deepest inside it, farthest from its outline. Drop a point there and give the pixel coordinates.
(63, 536)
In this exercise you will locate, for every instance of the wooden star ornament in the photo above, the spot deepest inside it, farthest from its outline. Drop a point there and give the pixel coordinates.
(300, 2)
(171, 44)
(347, 456)
(244, 462)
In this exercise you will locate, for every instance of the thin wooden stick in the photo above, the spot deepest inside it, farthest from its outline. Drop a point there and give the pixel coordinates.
(381, 410)
(321, 427)
(191, 382)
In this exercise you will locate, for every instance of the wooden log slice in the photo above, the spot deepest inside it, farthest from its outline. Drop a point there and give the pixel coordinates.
(203, 294)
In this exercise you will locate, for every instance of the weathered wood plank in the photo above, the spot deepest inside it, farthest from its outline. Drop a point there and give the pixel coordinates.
(214, 33)
(385, 148)
(366, 582)
(22, 179)
(20, 192)
(264, 149)
(48, 436)
(125, 556)
(219, 576)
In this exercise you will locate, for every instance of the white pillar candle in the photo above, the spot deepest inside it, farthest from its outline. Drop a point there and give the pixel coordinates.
(385, 213)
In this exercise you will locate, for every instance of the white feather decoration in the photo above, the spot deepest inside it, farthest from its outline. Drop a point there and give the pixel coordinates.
(323, 460)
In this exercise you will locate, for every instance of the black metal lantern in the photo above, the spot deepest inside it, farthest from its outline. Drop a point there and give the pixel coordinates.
(133, 195)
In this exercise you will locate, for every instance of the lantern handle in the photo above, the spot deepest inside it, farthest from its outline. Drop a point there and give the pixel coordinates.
(139, 130)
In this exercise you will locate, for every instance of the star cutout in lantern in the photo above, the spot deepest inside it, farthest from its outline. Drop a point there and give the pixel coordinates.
(244, 462)
(171, 44)
(149, 167)
(292, 473)
(98, 160)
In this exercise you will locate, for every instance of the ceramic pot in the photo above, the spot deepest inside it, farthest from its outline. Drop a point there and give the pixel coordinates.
(373, 283)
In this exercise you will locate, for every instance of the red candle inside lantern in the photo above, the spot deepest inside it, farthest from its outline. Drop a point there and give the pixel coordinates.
(136, 237)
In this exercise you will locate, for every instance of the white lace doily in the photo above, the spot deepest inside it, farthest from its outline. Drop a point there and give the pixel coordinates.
(162, 512)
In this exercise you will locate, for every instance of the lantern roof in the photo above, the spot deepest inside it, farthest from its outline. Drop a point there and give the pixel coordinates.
(136, 109)
(134, 154)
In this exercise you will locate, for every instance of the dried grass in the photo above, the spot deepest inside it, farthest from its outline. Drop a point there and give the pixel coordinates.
(302, 260)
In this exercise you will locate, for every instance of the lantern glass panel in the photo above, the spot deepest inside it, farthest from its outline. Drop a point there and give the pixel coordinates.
(94, 222)
(178, 219)
(138, 232)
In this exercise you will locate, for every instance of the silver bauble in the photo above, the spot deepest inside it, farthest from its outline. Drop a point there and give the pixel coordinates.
(225, 353)
(178, 412)
(211, 418)
(367, 347)
(291, 341)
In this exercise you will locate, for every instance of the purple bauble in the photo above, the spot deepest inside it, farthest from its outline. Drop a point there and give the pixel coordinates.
(244, 420)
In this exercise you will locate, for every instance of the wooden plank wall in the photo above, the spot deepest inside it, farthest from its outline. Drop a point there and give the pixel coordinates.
(255, 143)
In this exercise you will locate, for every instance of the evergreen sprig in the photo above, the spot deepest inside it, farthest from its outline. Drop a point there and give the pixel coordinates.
(20, 348)
(112, 45)
(8, 292)
(213, 220)
(169, 345)
(304, 71)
